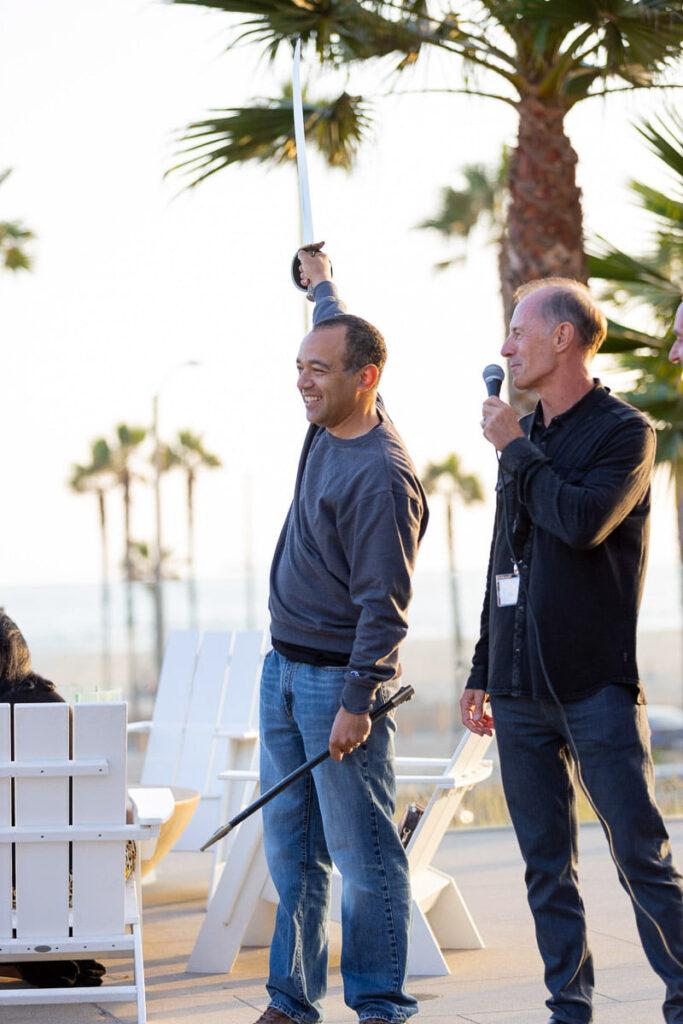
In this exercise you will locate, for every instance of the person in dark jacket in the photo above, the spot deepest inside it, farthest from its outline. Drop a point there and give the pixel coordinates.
(556, 656)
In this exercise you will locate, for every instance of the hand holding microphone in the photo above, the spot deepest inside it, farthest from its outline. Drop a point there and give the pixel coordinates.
(499, 421)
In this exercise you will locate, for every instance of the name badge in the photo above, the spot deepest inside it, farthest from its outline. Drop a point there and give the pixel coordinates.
(507, 589)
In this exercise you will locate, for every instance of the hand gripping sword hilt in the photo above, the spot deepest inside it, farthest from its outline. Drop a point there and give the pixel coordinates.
(313, 248)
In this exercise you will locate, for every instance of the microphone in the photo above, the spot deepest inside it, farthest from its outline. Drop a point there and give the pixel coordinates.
(493, 375)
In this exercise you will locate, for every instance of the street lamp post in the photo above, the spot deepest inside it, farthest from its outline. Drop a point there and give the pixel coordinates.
(158, 551)
(158, 597)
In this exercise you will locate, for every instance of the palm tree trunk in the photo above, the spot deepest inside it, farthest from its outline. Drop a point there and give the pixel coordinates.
(106, 594)
(130, 614)
(678, 483)
(545, 237)
(544, 217)
(191, 582)
(521, 401)
(455, 610)
(249, 576)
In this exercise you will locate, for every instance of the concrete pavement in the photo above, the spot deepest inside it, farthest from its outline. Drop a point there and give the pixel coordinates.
(501, 984)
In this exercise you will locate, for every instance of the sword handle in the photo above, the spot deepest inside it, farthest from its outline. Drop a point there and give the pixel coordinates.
(313, 247)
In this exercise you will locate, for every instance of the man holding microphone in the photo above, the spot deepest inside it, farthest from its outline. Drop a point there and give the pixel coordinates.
(556, 656)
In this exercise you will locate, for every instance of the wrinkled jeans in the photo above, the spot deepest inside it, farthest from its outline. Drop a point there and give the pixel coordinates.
(612, 741)
(341, 812)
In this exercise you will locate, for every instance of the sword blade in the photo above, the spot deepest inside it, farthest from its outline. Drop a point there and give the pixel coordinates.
(300, 139)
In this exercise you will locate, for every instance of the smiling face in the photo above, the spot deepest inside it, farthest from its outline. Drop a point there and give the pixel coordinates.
(330, 391)
(676, 353)
(529, 345)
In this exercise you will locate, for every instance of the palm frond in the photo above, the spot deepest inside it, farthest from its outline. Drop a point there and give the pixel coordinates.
(634, 280)
(461, 210)
(340, 30)
(665, 141)
(622, 339)
(666, 207)
(265, 132)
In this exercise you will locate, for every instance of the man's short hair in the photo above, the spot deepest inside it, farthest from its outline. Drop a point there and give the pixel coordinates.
(570, 301)
(364, 343)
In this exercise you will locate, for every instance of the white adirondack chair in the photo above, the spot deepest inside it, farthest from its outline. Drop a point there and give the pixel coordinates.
(242, 909)
(63, 834)
(204, 719)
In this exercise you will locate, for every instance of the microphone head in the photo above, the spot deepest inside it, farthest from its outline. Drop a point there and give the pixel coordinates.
(493, 375)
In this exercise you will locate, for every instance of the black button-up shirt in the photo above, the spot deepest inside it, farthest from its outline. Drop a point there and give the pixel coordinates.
(572, 517)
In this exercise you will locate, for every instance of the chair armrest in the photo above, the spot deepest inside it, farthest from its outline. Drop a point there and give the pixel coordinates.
(237, 732)
(139, 726)
(422, 762)
(463, 780)
(152, 805)
(438, 781)
(239, 775)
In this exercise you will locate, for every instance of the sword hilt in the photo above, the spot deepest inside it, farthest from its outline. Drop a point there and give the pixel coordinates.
(312, 248)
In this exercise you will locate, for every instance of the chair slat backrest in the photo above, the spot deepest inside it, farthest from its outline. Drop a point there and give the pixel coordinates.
(240, 704)
(99, 730)
(443, 804)
(196, 753)
(170, 709)
(42, 867)
(5, 822)
(204, 718)
(239, 711)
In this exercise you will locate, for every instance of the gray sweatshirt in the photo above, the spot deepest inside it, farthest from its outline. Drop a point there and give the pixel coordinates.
(340, 578)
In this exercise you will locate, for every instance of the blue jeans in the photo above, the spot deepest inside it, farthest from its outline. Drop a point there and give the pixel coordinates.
(611, 737)
(342, 812)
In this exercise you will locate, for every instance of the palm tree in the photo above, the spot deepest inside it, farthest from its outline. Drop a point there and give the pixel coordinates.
(191, 456)
(97, 477)
(128, 441)
(144, 564)
(653, 281)
(446, 478)
(13, 239)
(483, 200)
(546, 55)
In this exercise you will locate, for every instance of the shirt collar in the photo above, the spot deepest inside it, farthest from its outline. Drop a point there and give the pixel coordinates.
(583, 407)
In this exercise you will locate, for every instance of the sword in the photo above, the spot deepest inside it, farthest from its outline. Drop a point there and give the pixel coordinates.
(302, 170)
(402, 695)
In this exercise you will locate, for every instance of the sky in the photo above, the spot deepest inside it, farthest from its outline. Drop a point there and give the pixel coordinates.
(134, 278)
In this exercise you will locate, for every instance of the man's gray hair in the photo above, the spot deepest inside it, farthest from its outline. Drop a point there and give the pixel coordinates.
(569, 301)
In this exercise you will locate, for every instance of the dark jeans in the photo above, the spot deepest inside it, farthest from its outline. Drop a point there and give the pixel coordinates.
(611, 736)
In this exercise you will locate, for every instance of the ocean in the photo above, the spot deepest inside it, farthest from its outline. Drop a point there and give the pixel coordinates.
(69, 618)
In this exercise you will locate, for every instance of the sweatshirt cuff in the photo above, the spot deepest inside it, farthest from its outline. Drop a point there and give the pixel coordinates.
(358, 696)
(325, 290)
